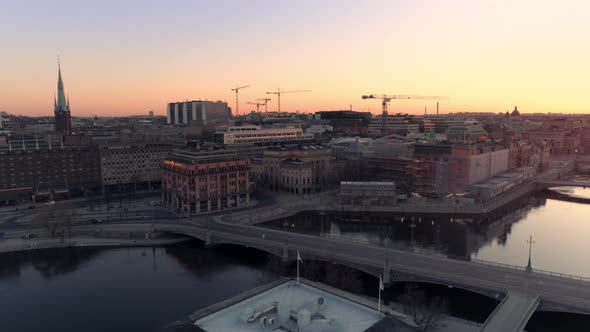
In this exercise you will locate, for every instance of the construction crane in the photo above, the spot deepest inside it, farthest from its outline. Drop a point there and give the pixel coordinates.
(279, 93)
(237, 89)
(257, 105)
(266, 100)
(386, 99)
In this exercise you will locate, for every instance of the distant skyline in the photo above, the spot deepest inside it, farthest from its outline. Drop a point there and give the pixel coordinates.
(132, 57)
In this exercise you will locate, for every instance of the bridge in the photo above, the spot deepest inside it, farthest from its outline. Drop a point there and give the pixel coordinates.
(544, 184)
(523, 292)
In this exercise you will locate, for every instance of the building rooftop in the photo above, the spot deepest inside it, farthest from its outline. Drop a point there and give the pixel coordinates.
(293, 147)
(189, 156)
(290, 306)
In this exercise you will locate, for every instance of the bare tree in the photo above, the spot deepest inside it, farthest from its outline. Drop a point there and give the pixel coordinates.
(426, 312)
(56, 218)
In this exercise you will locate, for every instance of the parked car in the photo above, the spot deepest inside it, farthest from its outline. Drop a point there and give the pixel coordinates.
(95, 221)
(154, 203)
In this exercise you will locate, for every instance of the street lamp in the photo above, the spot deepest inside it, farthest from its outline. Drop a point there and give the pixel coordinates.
(530, 241)
(412, 226)
(322, 214)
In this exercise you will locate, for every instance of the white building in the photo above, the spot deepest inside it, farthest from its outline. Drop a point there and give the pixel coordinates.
(367, 193)
(255, 134)
(182, 113)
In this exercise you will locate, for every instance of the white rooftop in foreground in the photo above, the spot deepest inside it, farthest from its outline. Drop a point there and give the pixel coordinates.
(292, 307)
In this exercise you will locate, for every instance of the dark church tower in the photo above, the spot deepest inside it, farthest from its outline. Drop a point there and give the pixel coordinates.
(63, 122)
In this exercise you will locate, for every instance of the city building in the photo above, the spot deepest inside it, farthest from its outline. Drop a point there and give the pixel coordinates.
(346, 122)
(399, 124)
(39, 169)
(183, 113)
(132, 165)
(295, 169)
(465, 132)
(256, 135)
(61, 108)
(390, 160)
(195, 181)
(366, 193)
(473, 163)
(430, 168)
(560, 141)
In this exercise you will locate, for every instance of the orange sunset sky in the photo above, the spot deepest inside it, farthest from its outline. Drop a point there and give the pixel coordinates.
(132, 57)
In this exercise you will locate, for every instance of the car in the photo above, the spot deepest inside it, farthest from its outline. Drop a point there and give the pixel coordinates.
(95, 221)
(154, 203)
(50, 203)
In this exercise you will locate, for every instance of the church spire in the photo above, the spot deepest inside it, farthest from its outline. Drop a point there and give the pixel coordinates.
(61, 104)
(63, 122)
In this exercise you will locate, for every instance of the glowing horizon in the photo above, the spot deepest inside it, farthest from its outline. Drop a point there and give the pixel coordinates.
(137, 56)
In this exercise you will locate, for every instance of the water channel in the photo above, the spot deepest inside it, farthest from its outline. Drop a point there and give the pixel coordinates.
(141, 289)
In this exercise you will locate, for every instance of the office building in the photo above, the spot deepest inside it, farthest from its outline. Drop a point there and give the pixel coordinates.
(295, 169)
(345, 122)
(196, 181)
(256, 135)
(366, 193)
(132, 165)
(43, 170)
(183, 113)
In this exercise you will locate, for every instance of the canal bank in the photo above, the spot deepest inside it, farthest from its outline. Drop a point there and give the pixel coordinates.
(15, 245)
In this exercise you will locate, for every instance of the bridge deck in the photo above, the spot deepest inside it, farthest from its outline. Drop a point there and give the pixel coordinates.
(513, 313)
(562, 183)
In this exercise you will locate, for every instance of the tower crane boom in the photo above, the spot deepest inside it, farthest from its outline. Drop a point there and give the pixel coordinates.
(237, 89)
(279, 93)
(386, 99)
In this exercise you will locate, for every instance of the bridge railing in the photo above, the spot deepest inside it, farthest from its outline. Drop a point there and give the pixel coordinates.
(562, 275)
(431, 252)
(500, 265)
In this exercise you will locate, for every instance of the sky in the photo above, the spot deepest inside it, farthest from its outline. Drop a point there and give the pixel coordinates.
(135, 56)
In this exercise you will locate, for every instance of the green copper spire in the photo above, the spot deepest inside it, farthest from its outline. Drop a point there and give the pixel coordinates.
(61, 105)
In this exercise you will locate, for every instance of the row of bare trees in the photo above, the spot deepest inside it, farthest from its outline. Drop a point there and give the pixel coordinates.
(56, 218)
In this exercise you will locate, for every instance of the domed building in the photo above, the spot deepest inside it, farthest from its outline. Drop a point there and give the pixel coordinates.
(515, 112)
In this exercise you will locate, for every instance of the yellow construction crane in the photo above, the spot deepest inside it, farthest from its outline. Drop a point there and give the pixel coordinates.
(237, 89)
(257, 105)
(279, 93)
(385, 99)
(266, 100)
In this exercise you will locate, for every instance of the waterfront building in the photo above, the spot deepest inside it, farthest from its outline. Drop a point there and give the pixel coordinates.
(196, 181)
(560, 141)
(290, 305)
(295, 169)
(183, 113)
(444, 168)
(367, 193)
(473, 163)
(61, 107)
(43, 169)
(132, 165)
(390, 160)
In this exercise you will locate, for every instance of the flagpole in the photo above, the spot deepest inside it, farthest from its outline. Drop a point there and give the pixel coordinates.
(298, 258)
(379, 301)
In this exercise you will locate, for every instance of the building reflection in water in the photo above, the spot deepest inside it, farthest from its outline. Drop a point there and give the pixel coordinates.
(458, 236)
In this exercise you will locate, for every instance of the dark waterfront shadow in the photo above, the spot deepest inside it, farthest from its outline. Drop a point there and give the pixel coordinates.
(49, 263)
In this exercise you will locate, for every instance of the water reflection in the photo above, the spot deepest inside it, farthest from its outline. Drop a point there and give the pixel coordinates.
(499, 236)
